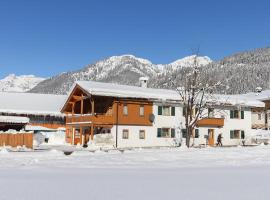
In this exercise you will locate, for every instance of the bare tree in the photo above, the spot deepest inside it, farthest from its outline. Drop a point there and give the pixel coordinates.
(194, 92)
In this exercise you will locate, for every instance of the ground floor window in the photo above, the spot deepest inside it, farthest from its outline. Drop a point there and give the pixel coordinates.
(142, 134)
(166, 132)
(235, 134)
(125, 134)
(195, 133)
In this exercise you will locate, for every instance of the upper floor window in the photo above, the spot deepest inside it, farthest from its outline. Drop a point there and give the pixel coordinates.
(210, 112)
(236, 114)
(141, 110)
(166, 110)
(125, 109)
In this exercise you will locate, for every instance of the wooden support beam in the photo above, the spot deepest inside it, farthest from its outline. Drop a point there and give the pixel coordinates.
(92, 132)
(93, 106)
(82, 104)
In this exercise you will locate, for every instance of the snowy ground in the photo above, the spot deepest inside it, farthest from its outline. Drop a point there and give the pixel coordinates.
(210, 173)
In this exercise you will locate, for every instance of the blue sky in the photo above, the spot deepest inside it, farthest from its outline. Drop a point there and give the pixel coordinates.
(48, 37)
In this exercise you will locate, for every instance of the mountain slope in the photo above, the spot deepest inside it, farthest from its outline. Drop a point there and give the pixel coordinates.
(126, 69)
(13, 83)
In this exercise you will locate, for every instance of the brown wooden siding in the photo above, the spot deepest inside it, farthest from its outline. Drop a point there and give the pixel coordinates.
(211, 122)
(15, 140)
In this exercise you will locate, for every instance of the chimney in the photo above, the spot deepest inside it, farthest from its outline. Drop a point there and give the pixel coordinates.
(258, 89)
(143, 81)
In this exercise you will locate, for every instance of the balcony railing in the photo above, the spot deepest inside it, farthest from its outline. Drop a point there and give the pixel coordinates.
(211, 122)
(91, 119)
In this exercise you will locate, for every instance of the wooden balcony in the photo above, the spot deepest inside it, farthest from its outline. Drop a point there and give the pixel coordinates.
(211, 122)
(90, 119)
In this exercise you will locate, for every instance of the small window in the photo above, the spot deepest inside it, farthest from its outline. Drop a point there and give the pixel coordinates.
(141, 110)
(259, 116)
(242, 134)
(142, 134)
(125, 109)
(197, 135)
(210, 112)
(184, 111)
(166, 110)
(125, 134)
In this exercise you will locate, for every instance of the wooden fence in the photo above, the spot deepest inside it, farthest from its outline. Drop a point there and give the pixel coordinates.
(14, 140)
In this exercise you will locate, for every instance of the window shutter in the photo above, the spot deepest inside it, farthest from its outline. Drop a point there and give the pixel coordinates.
(159, 110)
(231, 134)
(172, 133)
(196, 133)
(172, 111)
(242, 134)
(184, 111)
(242, 114)
(231, 114)
(159, 132)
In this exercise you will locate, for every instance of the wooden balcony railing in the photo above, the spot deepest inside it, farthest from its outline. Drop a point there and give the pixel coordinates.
(91, 119)
(211, 122)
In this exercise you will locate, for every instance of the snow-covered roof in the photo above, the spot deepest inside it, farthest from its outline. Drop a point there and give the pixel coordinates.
(262, 96)
(126, 91)
(236, 100)
(14, 119)
(31, 103)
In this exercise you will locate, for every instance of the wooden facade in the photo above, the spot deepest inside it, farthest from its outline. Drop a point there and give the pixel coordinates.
(87, 115)
(14, 140)
(210, 122)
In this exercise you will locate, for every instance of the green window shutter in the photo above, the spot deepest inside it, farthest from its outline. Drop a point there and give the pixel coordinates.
(242, 114)
(184, 111)
(184, 133)
(159, 132)
(231, 114)
(159, 110)
(172, 133)
(242, 134)
(197, 133)
(172, 111)
(231, 134)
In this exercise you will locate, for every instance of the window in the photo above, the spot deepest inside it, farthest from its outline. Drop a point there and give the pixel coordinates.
(142, 134)
(235, 134)
(166, 110)
(125, 109)
(163, 132)
(197, 135)
(141, 110)
(236, 114)
(210, 112)
(125, 134)
(184, 111)
(259, 116)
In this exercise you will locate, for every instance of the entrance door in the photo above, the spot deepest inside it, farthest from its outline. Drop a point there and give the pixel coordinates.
(77, 136)
(211, 137)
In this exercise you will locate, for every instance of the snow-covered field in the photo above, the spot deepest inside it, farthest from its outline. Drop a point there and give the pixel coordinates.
(209, 173)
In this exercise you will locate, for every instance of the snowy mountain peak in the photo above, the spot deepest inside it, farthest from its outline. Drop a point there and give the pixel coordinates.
(189, 61)
(23, 83)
